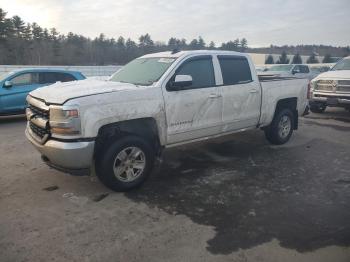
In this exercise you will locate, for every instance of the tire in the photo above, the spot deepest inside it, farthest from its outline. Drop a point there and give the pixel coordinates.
(320, 108)
(125, 164)
(281, 128)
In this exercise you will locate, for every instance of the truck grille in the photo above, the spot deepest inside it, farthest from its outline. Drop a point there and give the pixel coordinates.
(38, 117)
(39, 112)
(333, 86)
(326, 85)
(343, 86)
(38, 131)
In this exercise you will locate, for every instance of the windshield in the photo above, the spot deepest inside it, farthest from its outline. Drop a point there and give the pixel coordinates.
(143, 71)
(280, 68)
(342, 65)
(319, 69)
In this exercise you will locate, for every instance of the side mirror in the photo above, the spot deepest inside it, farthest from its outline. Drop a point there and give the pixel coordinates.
(8, 84)
(181, 81)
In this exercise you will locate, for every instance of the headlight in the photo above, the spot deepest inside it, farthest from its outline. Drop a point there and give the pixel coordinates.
(313, 85)
(64, 121)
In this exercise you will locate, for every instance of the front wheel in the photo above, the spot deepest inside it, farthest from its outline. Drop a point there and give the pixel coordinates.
(125, 164)
(281, 128)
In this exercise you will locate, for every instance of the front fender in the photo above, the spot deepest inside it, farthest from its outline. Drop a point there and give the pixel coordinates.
(95, 118)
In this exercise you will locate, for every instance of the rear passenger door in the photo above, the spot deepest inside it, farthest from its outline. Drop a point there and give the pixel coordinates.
(241, 93)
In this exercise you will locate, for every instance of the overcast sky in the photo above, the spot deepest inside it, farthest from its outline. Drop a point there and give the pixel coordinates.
(263, 23)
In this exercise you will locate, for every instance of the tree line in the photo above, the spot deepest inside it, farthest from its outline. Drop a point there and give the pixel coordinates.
(23, 44)
(312, 59)
(31, 44)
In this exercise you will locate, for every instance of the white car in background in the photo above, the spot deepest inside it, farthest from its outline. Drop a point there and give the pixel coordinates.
(292, 70)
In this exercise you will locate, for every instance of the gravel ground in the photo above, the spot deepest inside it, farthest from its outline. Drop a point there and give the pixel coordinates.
(235, 198)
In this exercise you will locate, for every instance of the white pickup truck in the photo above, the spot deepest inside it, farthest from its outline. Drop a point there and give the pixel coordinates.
(118, 128)
(332, 88)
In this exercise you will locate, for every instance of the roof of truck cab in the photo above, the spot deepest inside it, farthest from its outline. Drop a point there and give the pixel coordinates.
(170, 54)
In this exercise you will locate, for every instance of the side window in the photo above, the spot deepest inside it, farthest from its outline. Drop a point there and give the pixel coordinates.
(201, 69)
(53, 77)
(64, 77)
(297, 69)
(47, 78)
(235, 70)
(25, 79)
(304, 69)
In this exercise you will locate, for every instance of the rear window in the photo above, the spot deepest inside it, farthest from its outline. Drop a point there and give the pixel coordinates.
(235, 70)
(304, 69)
(53, 77)
(64, 77)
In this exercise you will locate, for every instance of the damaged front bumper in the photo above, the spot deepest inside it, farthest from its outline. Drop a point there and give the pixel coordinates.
(71, 157)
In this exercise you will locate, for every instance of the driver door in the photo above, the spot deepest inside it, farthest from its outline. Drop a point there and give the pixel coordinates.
(194, 111)
(13, 99)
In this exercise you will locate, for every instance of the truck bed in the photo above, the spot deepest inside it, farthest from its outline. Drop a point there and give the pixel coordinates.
(278, 88)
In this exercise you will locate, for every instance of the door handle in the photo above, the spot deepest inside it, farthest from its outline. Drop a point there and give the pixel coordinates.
(254, 91)
(214, 95)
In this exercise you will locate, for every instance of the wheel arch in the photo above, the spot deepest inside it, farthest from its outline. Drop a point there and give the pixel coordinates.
(289, 103)
(146, 128)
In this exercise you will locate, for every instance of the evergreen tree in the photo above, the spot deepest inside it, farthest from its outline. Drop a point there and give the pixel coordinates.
(297, 59)
(269, 60)
(18, 26)
(174, 43)
(236, 44)
(243, 44)
(231, 45)
(6, 25)
(283, 59)
(27, 32)
(201, 43)
(193, 44)
(121, 43)
(327, 59)
(145, 41)
(312, 59)
(212, 45)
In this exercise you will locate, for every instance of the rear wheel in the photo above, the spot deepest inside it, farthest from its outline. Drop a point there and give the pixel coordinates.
(125, 164)
(318, 108)
(281, 128)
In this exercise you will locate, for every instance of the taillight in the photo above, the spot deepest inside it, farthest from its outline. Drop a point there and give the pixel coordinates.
(309, 91)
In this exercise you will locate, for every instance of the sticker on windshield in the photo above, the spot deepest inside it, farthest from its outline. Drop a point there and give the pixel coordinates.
(166, 60)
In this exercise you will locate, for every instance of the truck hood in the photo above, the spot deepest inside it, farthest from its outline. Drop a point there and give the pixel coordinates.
(59, 93)
(340, 74)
